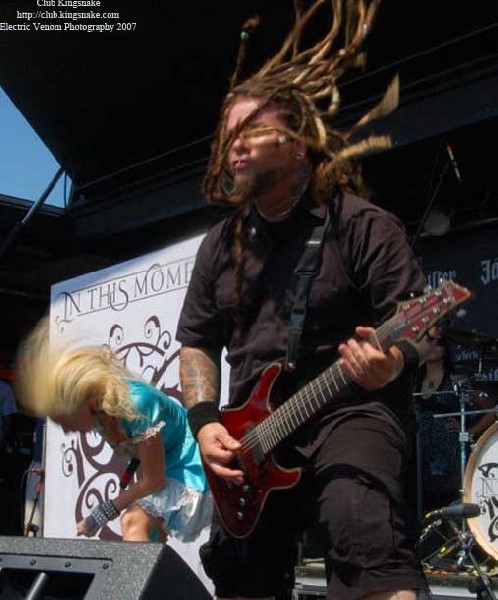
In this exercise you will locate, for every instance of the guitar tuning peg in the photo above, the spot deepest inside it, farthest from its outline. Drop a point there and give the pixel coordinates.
(427, 288)
(461, 313)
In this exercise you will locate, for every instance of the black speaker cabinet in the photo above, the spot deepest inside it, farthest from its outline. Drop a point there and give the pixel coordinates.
(49, 569)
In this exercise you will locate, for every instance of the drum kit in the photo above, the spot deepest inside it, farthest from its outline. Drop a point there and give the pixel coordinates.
(471, 415)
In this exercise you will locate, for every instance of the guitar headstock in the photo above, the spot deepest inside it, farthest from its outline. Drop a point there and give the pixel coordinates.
(416, 316)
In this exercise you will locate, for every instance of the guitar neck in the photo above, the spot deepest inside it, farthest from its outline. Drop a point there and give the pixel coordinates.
(412, 319)
(316, 394)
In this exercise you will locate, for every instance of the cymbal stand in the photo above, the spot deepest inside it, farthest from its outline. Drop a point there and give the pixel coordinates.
(464, 437)
(419, 450)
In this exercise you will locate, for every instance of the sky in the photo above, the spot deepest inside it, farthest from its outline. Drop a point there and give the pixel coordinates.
(26, 165)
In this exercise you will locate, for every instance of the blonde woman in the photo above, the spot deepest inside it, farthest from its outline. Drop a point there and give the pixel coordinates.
(88, 389)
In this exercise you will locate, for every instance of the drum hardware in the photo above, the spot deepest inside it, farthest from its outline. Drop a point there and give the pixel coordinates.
(475, 365)
(478, 513)
(438, 393)
(462, 543)
(474, 362)
(442, 545)
(434, 517)
(472, 339)
(481, 585)
(481, 487)
(483, 346)
(464, 437)
(467, 412)
(485, 386)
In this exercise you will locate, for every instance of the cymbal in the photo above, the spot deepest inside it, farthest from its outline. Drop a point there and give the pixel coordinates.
(490, 387)
(474, 363)
(472, 338)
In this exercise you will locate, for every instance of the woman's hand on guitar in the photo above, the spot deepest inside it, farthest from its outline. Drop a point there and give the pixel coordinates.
(218, 450)
(366, 364)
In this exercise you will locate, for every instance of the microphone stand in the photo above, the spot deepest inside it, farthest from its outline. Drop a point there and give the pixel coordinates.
(429, 206)
(30, 526)
(464, 439)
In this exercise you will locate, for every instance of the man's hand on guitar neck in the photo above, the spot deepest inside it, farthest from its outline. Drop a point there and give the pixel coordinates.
(371, 368)
(218, 450)
(366, 364)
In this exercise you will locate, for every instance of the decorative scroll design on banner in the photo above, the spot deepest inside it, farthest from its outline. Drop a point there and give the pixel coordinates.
(149, 355)
(97, 472)
(72, 461)
(101, 486)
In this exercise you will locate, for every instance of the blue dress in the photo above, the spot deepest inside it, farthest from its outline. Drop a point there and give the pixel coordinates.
(185, 503)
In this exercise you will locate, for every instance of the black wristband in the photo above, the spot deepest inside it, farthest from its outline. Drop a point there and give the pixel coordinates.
(201, 414)
(412, 359)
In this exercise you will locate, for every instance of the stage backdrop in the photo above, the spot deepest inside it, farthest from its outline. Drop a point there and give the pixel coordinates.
(132, 307)
(469, 257)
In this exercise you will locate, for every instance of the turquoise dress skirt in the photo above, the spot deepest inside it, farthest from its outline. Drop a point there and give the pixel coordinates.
(185, 503)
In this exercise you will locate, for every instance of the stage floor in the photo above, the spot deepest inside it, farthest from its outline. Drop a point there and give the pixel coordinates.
(444, 585)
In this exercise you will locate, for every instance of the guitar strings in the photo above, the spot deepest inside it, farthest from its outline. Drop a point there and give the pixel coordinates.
(294, 412)
(290, 415)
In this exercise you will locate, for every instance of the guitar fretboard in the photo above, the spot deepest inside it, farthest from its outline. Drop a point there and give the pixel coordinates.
(310, 399)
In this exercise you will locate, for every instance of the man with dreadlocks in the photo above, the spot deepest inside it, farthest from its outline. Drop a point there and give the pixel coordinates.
(293, 180)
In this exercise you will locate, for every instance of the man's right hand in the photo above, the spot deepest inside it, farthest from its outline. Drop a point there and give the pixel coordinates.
(218, 449)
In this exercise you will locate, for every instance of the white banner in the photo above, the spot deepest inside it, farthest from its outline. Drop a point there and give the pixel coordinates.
(134, 308)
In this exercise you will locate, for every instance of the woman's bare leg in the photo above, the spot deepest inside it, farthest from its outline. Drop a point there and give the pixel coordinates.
(137, 525)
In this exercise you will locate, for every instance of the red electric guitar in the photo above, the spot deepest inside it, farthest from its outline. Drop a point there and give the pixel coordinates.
(260, 429)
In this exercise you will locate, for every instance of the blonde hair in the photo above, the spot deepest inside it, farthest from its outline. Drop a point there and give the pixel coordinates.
(60, 381)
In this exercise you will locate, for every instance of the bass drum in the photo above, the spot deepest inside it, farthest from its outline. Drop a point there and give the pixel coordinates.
(481, 487)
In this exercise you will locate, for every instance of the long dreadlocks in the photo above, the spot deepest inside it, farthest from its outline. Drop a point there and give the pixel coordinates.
(304, 82)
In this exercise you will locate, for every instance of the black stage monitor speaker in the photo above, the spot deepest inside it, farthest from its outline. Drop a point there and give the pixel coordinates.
(50, 569)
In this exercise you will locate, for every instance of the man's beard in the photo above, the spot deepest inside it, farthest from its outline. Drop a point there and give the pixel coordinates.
(252, 185)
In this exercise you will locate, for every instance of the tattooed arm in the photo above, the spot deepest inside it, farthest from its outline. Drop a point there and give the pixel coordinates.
(200, 378)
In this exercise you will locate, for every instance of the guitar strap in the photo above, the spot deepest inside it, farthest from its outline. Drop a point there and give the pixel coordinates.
(306, 270)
